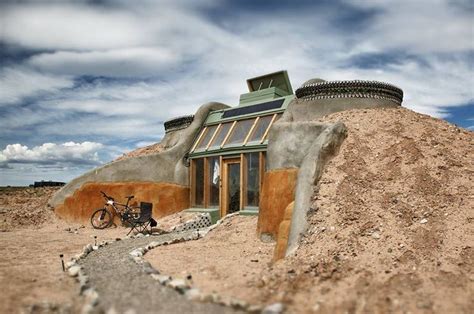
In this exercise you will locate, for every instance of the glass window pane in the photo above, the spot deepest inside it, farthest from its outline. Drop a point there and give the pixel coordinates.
(214, 177)
(233, 195)
(199, 182)
(253, 187)
(240, 131)
(207, 136)
(221, 134)
(260, 128)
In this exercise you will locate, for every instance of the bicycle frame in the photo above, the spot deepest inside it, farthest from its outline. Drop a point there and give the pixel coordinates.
(111, 203)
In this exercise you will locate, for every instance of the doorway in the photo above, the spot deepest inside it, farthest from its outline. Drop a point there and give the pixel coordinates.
(231, 182)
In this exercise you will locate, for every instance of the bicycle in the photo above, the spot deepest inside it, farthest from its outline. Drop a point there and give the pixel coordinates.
(103, 217)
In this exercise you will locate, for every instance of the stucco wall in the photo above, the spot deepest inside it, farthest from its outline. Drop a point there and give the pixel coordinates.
(166, 198)
(166, 166)
(307, 110)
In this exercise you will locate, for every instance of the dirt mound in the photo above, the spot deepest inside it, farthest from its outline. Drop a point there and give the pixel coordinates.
(142, 151)
(391, 228)
(25, 207)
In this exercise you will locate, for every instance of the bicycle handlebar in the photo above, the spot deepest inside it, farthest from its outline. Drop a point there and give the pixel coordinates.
(106, 196)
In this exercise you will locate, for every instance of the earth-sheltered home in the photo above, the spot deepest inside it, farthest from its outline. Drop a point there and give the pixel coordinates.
(262, 157)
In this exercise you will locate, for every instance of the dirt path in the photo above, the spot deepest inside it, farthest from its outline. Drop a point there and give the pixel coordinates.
(30, 268)
(125, 287)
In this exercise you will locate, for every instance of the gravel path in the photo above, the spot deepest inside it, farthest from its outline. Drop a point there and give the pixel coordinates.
(124, 286)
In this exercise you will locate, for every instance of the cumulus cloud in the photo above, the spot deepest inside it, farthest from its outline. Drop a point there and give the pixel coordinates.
(52, 154)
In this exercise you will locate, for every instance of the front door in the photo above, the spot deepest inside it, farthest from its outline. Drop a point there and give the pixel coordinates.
(230, 200)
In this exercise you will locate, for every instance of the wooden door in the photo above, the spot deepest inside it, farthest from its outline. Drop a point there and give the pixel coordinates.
(231, 189)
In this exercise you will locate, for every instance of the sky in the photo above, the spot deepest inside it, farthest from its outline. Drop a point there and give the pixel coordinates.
(82, 82)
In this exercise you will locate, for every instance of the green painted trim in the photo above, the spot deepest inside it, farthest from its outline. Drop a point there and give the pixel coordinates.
(282, 73)
(266, 94)
(249, 211)
(229, 151)
(215, 117)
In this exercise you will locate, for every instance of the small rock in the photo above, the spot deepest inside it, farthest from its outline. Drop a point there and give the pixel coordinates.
(83, 279)
(193, 294)
(95, 247)
(215, 298)
(238, 304)
(162, 279)
(275, 308)
(136, 253)
(254, 309)
(70, 264)
(112, 310)
(423, 221)
(87, 249)
(139, 235)
(376, 235)
(74, 270)
(206, 298)
(91, 296)
(137, 259)
(178, 284)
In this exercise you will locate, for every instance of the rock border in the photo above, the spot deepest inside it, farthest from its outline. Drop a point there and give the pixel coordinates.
(76, 271)
(182, 286)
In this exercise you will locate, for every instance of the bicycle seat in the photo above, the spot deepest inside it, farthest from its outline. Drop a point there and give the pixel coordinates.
(129, 197)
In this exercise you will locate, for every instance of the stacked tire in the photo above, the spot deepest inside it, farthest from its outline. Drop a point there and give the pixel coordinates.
(350, 89)
(178, 123)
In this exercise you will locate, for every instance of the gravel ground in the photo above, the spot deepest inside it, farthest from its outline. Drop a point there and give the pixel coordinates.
(124, 286)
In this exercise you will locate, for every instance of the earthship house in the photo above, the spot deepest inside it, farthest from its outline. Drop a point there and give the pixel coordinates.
(262, 157)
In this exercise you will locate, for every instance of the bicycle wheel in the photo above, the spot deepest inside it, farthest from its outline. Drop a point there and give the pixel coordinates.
(101, 219)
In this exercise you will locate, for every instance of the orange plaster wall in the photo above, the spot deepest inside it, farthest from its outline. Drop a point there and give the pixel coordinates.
(278, 191)
(283, 233)
(167, 198)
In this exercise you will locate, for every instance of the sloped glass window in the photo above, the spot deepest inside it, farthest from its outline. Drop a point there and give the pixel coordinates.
(221, 134)
(260, 128)
(240, 131)
(207, 136)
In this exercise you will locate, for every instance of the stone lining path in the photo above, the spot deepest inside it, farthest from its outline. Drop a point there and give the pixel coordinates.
(124, 286)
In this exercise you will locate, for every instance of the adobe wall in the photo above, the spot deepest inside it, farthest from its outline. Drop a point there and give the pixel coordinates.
(167, 198)
(283, 233)
(278, 191)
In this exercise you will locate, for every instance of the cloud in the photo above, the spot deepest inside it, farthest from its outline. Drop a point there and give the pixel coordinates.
(422, 26)
(113, 72)
(128, 62)
(85, 153)
(70, 26)
(17, 83)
